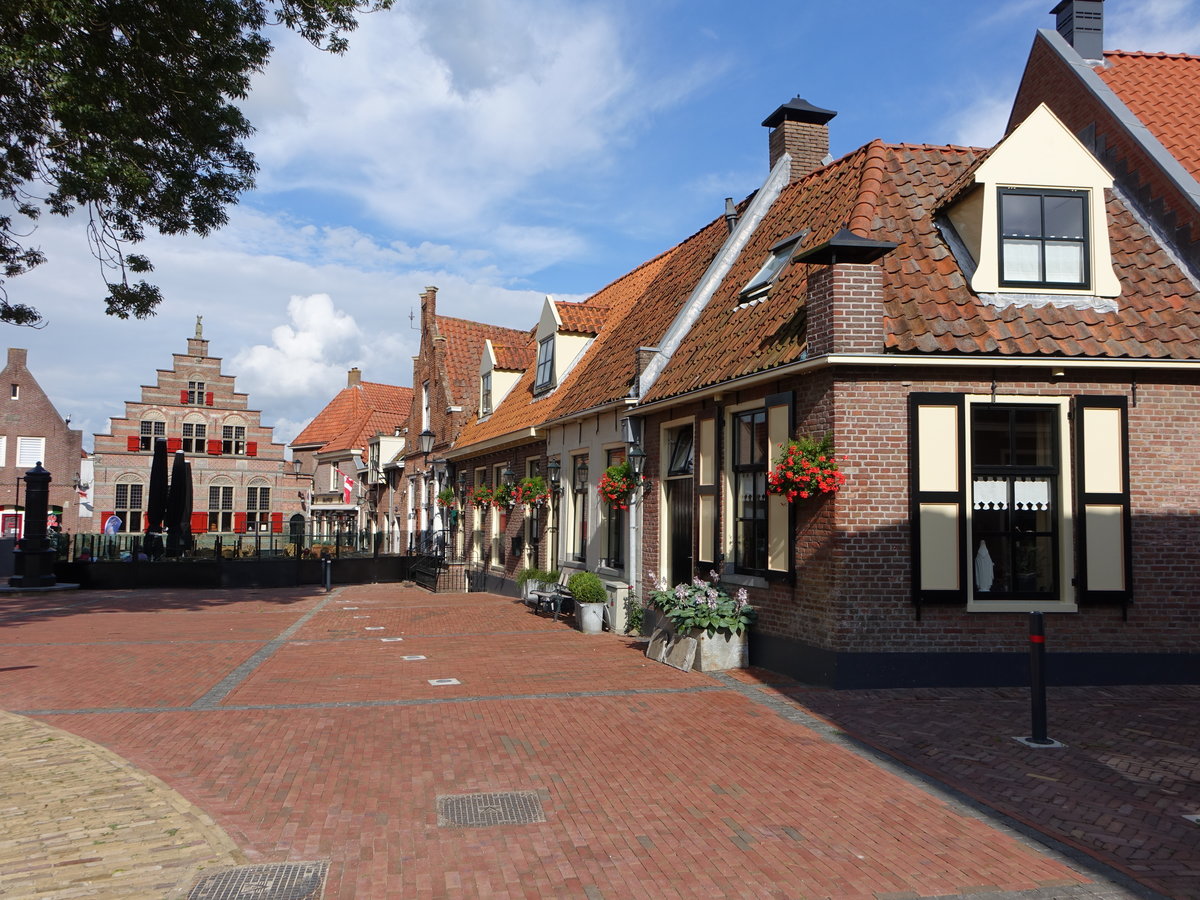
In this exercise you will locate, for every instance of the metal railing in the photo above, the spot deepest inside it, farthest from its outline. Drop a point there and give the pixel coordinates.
(123, 547)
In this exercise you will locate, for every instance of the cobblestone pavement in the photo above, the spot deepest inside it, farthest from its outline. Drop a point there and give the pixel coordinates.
(346, 728)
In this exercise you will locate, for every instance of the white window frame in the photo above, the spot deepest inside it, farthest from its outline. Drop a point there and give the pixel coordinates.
(1066, 522)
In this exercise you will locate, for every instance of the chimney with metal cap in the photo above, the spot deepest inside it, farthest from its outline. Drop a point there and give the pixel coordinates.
(1081, 23)
(802, 131)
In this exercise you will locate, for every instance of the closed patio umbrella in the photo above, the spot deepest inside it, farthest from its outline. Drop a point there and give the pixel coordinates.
(156, 500)
(176, 499)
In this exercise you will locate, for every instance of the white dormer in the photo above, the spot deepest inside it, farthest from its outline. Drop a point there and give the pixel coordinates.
(494, 382)
(1035, 223)
(556, 352)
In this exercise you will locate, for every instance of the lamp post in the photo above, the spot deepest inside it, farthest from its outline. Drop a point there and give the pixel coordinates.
(637, 464)
(554, 473)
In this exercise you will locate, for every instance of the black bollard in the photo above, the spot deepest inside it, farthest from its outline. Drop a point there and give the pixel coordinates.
(327, 572)
(1037, 678)
(33, 558)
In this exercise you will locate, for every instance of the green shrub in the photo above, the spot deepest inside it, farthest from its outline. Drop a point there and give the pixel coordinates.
(533, 574)
(586, 587)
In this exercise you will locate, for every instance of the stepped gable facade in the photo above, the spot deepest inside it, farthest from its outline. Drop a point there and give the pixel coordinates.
(241, 482)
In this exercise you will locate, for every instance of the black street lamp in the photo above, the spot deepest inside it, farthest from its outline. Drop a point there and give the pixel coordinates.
(427, 439)
(637, 459)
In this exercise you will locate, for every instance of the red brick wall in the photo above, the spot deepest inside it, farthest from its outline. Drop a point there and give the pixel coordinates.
(851, 553)
(805, 142)
(32, 414)
(1049, 79)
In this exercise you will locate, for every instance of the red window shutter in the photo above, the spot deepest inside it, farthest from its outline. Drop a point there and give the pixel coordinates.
(199, 522)
(277, 523)
(239, 522)
(183, 397)
(104, 517)
(132, 444)
(252, 448)
(214, 448)
(208, 399)
(174, 445)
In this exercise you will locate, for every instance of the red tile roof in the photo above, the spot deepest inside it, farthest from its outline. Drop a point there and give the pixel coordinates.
(464, 348)
(892, 193)
(355, 415)
(581, 318)
(606, 370)
(1163, 91)
(513, 359)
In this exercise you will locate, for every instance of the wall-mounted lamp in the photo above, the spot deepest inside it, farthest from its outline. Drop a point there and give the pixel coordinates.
(637, 460)
(426, 439)
(508, 476)
(554, 472)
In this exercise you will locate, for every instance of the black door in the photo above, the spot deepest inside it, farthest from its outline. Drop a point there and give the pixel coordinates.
(679, 530)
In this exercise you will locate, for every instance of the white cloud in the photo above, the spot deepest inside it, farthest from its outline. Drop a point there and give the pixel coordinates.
(1172, 26)
(444, 119)
(981, 122)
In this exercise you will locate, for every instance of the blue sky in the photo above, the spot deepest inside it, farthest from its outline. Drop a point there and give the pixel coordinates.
(508, 150)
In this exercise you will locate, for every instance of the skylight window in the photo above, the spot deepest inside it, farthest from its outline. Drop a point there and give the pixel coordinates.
(780, 255)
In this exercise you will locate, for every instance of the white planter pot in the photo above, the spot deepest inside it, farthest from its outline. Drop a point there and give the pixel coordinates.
(591, 617)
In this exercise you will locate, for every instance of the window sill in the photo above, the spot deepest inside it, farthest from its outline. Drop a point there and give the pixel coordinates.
(610, 572)
(750, 581)
(1020, 606)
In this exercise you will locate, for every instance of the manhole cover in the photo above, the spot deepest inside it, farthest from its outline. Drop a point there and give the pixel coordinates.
(483, 810)
(280, 881)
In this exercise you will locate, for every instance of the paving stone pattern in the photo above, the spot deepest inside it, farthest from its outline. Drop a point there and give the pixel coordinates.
(306, 738)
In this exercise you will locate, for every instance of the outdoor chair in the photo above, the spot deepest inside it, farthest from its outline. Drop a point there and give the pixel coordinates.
(554, 596)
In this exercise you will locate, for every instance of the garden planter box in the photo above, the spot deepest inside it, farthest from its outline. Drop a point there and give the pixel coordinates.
(696, 649)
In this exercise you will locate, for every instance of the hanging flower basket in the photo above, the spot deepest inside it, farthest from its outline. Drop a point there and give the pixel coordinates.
(531, 491)
(482, 495)
(805, 468)
(504, 496)
(447, 499)
(617, 485)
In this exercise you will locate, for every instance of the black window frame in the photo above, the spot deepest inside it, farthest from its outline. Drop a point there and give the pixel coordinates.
(756, 468)
(233, 440)
(220, 507)
(1085, 241)
(195, 437)
(150, 430)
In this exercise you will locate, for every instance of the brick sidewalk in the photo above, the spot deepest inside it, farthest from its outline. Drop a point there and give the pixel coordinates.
(295, 722)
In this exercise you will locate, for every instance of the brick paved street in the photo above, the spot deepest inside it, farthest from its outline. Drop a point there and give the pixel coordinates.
(294, 721)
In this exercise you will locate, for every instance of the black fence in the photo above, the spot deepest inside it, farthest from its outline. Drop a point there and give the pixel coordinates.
(151, 548)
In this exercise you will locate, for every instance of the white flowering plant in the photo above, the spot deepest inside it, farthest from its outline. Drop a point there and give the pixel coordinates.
(701, 604)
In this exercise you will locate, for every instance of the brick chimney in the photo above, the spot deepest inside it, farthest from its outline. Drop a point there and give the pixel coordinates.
(802, 131)
(353, 377)
(1081, 23)
(17, 358)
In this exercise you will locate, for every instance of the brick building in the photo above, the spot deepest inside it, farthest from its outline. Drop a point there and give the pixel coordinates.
(32, 431)
(447, 392)
(1004, 348)
(353, 452)
(241, 483)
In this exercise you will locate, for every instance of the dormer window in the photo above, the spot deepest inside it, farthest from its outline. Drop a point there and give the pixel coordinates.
(485, 394)
(1043, 238)
(544, 378)
(778, 257)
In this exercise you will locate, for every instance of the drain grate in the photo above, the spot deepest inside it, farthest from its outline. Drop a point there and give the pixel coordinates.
(279, 881)
(485, 810)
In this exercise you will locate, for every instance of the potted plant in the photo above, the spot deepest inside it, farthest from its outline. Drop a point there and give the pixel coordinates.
(805, 468)
(481, 495)
(447, 499)
(531, 491)
(704, 611)
(618, 483)
(532, 579)
(590, 599)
